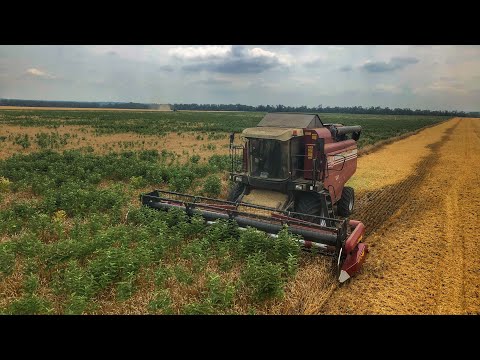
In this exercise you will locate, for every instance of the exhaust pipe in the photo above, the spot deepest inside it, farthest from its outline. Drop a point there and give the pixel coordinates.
(347, 129)
(341, 130)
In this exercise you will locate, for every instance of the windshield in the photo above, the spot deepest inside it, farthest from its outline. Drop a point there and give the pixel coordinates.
(269, 158)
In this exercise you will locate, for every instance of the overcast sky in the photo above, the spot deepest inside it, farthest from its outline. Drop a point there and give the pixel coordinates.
(423, 77)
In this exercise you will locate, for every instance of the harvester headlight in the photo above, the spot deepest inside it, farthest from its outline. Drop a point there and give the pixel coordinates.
(299, 187)
(238, 178)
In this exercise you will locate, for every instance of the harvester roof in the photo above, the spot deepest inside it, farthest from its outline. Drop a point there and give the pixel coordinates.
(282, 126)
(291, 120)
(282, 134)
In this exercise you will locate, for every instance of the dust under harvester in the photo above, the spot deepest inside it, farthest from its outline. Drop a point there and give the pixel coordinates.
(290, 170)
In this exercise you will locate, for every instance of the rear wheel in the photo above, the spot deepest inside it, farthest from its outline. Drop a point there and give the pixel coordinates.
(235, 192)
(347, 201)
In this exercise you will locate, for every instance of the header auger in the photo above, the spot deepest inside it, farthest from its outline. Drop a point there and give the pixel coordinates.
(291, 170)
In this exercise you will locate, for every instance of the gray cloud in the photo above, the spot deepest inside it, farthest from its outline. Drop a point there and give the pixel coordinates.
(239, 60)
(167, 68)
(239, 51)
(210, 82)
(314, 63)
(395, 63)
(346, 68)
(234, 66)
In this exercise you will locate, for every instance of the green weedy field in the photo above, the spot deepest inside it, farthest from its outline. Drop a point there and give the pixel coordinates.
(375, 127)
(74, 239)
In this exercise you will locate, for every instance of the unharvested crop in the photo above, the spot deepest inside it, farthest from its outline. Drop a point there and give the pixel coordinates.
(213, 125)
(79, 240)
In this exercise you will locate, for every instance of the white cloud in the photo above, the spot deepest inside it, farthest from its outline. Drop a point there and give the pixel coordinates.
(39, 73)
(200, 52)
(336, 48)
(36, 72)
(260, 53)
(317, 61)
(446, 86)
(387, 88)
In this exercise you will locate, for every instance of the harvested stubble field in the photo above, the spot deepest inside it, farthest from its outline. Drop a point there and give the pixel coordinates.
(419, 200)
(73, 238)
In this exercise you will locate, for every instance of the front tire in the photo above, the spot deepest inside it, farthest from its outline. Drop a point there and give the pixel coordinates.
(346, 203)
(310, 204)
(235, 192)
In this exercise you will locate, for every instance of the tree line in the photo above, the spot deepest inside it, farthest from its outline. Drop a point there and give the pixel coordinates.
(319, 109)
(73, 104)
(236, 107)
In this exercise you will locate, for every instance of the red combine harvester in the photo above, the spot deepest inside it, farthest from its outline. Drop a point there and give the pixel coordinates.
(291, 170)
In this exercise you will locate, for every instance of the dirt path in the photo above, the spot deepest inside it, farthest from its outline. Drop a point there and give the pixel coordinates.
(419, 199)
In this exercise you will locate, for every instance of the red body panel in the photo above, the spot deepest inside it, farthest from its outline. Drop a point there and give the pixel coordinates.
(355, 236)
(355, 259)
(337, 146)
(355, 250)
(341, 160)
(341, 165)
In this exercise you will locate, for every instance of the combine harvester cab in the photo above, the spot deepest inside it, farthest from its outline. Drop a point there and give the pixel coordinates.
(290, 170)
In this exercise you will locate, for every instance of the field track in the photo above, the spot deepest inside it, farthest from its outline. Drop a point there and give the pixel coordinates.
(419, 199)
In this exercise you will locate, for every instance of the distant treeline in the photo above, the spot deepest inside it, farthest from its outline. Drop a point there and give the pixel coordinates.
(73, 104)
(236, 107)
(319, 109)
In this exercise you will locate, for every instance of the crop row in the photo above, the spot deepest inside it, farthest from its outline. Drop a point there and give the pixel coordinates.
(375, 127)
(53, 171)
